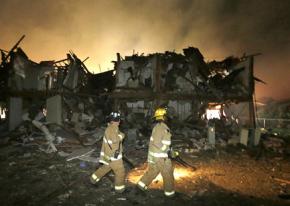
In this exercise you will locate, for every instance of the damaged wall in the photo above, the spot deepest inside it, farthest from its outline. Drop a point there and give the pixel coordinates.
(179, 80)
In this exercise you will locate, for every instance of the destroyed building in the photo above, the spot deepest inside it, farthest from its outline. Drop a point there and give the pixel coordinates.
(61, 105)
(190, 88)
(69, 77)
(62, 93)
(194, 91)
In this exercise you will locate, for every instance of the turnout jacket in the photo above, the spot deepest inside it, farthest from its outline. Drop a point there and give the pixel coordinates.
(160, 142)
(112, 141)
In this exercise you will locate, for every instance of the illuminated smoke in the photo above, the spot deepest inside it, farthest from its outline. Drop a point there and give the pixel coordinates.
(100, 28)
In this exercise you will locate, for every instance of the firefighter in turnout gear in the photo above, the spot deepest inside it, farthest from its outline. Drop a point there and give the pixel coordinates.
(158, 160)
(111, 154)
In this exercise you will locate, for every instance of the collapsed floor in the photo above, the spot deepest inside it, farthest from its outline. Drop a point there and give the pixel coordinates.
(230, 175)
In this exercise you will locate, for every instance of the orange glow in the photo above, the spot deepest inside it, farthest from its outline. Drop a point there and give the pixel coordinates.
(213, 111)
(2, 113)
(181, 174)
(222, 174)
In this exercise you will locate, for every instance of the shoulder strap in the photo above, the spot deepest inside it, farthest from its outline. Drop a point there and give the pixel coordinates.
(108, 142)
(110, 145)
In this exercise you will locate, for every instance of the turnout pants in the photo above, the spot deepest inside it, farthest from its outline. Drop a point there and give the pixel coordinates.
(163, 166)
(118, 168)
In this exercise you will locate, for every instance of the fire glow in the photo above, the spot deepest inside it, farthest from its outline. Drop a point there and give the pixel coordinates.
(214, 111)
(2, 113)
(180, 174)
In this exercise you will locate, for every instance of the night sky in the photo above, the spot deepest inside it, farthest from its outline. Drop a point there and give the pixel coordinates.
(101, 28)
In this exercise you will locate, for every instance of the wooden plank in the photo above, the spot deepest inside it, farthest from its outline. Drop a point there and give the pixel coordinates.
(282, 180)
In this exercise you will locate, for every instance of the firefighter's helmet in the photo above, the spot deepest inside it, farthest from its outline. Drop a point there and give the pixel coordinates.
(160, 114)
(115, 116)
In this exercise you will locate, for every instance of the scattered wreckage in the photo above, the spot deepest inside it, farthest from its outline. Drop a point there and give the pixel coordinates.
(209, 103)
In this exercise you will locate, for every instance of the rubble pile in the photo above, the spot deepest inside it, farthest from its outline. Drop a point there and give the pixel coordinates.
(186, 73)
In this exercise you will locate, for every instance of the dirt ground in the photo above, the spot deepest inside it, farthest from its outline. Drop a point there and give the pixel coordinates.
(230, 176)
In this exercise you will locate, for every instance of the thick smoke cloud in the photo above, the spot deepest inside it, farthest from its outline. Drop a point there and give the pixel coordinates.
(100, 28)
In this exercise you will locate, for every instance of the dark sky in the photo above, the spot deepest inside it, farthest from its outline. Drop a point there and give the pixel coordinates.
(100, 28)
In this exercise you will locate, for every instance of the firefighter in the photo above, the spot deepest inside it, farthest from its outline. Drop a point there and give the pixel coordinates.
(111, 154)
(158, 160)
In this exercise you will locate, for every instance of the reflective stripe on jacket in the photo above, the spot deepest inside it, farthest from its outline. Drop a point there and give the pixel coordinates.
(160, 141)
(112, 140)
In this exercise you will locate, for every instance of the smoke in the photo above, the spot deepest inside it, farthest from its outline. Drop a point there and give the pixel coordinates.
(100, 29)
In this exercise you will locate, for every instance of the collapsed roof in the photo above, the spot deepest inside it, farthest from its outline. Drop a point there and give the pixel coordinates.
(171, 75)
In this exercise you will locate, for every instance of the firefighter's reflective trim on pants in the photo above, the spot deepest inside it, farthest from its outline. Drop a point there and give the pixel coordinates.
(121, 137)
(142, 185)
(151, 138)
(161, 154)
(150, 159)
(169, 193)
(104, 162)
(166, 142)
(95, 178)
(120, 187)
(108, 142)
(104, 158)
(164, 147)
(120, 156)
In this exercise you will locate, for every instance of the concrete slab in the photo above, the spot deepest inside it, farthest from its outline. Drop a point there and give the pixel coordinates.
(244, 136)
(54, 109)
(211, 135)
(257, 136)
(14, 112)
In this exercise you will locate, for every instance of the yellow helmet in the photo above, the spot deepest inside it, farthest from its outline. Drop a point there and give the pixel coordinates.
(160, 114)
